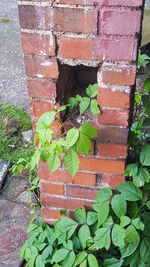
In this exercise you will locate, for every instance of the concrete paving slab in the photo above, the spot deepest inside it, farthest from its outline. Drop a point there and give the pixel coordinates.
(12, 76)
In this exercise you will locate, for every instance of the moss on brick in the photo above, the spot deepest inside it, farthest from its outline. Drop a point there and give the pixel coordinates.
(13, 120)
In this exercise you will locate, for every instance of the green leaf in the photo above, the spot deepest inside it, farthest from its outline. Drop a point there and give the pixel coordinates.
(34, 253)
(147, 86)
(91, 217)
(94, 107)
(71, 161)
(4, 20)
(104, 194)
(118, 235)
(148, 205)
(84, 263)
(69, 260)
(80, 215)
(35, 159)
(131, 234)
(92, 261)
(39, 261)
(80, 258)
(60, 255)
(112, 262)
(83, 144)
(88, 130)
(129, 191)
(62, 108)
(102, 238)
(72, 101)
(131, 170)
(124, 221)
(128, 249)
(102, 211)
(146, 104)
(145, 155)
(44, 155)
(92, 90)
(53, 162)
(31, 227)
(66, 224)
(138, 224)
(84, 234)
(119, 205)
(146, 220)
(145, 249)
(45, 120)
(84, 104)
(72, 137)
(46, 252)
(139, 179)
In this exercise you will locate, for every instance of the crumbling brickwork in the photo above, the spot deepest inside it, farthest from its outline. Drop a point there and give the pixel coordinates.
(103, 34)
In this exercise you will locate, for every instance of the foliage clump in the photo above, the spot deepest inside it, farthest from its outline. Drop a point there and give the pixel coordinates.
(13, 120)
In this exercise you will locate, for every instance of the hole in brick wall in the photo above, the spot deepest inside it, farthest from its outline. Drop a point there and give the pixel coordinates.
(73, 80)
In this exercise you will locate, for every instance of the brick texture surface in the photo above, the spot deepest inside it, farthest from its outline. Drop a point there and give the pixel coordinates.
(100, 33)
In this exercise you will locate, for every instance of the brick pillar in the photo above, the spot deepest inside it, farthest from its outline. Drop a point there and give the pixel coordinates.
(95, 33)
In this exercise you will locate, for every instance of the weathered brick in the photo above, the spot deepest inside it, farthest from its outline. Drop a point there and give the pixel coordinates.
(52, 188)
(118, 74)
(112, 180)
(38, 44)
(81, 191)
(128, 21)
(126, 3)
(113, 98)
(102, 165)
(77, 2)
(41, 67)
(111, 134)
(63, 203)
(51, 213)
(40, 107)
(115, 49)
(75, 20)
(114, 117)
(99, 48)
(33, 17)
(41, 89)
(112, 151)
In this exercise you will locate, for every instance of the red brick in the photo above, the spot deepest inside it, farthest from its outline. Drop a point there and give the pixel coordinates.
(33, 17)
(112, 180)
(41, 67)
(118, 74)
(63, 176)
(38, 44)
(115, 49)
(51, 214)
(77, 2)
(41, 89)
(81, 192)
(113, 99)
(75, 20)
(78, 48)
(114, 117)
(40, 107)
(128, 21)
(112, 151)
(113, 134)
(102, 165)
(63, 203)
(126, 3)
(98, 49)
(50, 188)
